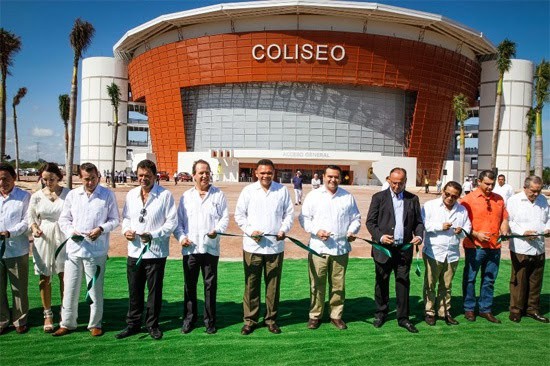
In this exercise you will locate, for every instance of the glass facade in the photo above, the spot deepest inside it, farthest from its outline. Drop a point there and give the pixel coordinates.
(297, 116)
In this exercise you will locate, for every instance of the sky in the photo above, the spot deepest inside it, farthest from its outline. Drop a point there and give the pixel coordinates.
(44, 64)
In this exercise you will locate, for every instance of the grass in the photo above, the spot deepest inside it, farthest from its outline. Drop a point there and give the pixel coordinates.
(468, 343)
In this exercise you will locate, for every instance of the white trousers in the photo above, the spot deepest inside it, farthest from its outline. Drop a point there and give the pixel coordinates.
(298, 195)
(74, 267)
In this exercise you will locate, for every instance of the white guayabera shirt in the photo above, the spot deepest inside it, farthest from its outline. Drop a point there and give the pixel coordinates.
(336, 213)
(13, 218)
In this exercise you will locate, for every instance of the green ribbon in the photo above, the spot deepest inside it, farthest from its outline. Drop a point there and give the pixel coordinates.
(515, 236)
(77, 238)
(376, 245)
(143, 251)
(91, 284)
(293, 240)
(2, 246)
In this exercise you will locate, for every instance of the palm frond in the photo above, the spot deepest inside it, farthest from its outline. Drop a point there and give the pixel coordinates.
(81, 37)
(506, 50)
(542, 84)
(20, 94)
(531, 120)
(460, 107)
(10, 44)
(64, 103)
(114, 94)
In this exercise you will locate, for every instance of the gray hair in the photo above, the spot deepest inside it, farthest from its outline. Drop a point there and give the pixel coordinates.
(532, 179)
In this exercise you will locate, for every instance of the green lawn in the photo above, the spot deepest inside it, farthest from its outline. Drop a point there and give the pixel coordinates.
(468, 343)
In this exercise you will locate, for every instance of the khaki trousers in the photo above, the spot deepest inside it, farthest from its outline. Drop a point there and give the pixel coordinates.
(272, 266)
(17, 270)
(333, 267)
(441, 274)
(526, 282)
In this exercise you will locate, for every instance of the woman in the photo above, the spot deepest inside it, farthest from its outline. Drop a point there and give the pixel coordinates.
(44, 210)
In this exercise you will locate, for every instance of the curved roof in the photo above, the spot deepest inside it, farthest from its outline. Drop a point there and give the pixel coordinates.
(135, 37)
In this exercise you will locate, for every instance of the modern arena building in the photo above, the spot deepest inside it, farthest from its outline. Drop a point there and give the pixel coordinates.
(305, 83)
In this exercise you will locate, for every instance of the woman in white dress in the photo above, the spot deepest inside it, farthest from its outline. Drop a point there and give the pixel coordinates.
(44, 210)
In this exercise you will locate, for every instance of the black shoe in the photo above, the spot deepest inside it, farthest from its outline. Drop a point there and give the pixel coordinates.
(247, 329)
(127, 332)
(155, 332)
(274, 328)
(187, 327)
(538, 317)
(449, 320)
(379, 321)
(515, 317)
(211, 330)
(408, 326)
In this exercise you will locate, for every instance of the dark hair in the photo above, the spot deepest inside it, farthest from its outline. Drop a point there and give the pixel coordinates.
(200, 161)
(88, 168)
(535, 179)
(486, 173)
(147, 164)
(501, 175)
(8, 168)
(397, 169)
(50, 168)
(333, 167)
(265, 162)
(454, 185)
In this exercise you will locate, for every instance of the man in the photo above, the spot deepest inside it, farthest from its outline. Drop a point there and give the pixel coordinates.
(489, 219)
(175, 178)
(14, 251)
(148, 219)
(444, 221)
(89, 213)
(529, 215)
(264, 212)
(315, 181)
(503, 189)
(467, 186)
(394, 219)
(331, 216)
(297, 183)
(202, 214)
(426, 184)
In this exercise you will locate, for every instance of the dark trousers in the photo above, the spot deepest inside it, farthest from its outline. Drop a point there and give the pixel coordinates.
(272, 266)
(193, 264)
(526, 283)
(152, 272)
(400, 264)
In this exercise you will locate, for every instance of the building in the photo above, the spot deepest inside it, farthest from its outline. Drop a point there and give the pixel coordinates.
(306, 83)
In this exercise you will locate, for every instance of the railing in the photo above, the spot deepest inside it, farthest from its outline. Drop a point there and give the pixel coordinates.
(138, 143)
(468, 151)
(138, 121)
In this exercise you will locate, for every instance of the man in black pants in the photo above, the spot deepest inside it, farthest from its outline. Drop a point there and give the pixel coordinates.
(149, 218)
(394, 220)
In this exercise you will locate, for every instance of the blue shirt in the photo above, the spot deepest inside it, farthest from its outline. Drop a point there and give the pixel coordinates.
(297, 182)
(398, 203)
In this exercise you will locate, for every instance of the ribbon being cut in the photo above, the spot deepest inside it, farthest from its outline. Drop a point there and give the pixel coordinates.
(514, 236)
(2, 246)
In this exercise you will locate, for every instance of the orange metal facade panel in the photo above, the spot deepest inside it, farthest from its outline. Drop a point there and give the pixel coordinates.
(435, 73)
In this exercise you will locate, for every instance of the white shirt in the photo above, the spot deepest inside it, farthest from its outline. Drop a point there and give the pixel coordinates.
(83, 214)
(269, 212)
(505, 191)
(336, 213)
(159, 219)
(199, 216)
(315, 183)
(467, 186)
(13, 218)
(525, 215)
(442, 244)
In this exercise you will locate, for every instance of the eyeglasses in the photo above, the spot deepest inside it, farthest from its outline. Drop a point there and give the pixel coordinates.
(142, 213)
(453, 196)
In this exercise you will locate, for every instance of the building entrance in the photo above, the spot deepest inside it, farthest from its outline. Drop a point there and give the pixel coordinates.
(285, 172)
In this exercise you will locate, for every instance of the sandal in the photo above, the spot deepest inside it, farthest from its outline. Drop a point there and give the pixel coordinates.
(48, 325)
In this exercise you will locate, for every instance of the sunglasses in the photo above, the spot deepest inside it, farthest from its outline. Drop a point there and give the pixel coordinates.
(453, 196)
(488, 201)
(142, 214)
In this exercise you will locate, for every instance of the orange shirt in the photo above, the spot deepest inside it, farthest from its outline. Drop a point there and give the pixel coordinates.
(486, 215)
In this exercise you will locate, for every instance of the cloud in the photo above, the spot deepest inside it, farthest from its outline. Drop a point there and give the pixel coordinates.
(42, 132)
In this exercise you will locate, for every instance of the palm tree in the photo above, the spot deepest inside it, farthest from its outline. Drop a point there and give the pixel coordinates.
(64, 105)
(20, 94)
(460, 107)
(529, 131)
(10, 44)
(80, 38)
(114, 93)
(505, 51)
(542, 95)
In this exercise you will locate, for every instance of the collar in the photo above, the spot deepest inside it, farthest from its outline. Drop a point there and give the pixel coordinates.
(324, 189)
(442, 204)
(257, 185)
(82, 191)
(398, 196)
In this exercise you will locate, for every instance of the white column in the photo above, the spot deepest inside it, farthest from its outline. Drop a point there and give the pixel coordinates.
(516, 101)
(96, 111)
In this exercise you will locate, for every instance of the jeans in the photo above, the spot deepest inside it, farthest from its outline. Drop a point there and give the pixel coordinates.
(488, 261)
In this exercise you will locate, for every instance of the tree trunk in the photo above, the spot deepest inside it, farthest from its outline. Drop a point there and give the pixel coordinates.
(72, 125)
(462, 151)
(3, 116)
(66, 141)
(16, 144)
(528, 158)
(538, 145)
(496, 124)
(115, 135)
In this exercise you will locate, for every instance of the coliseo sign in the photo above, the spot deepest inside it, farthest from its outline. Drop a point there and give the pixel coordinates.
(320, 52)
